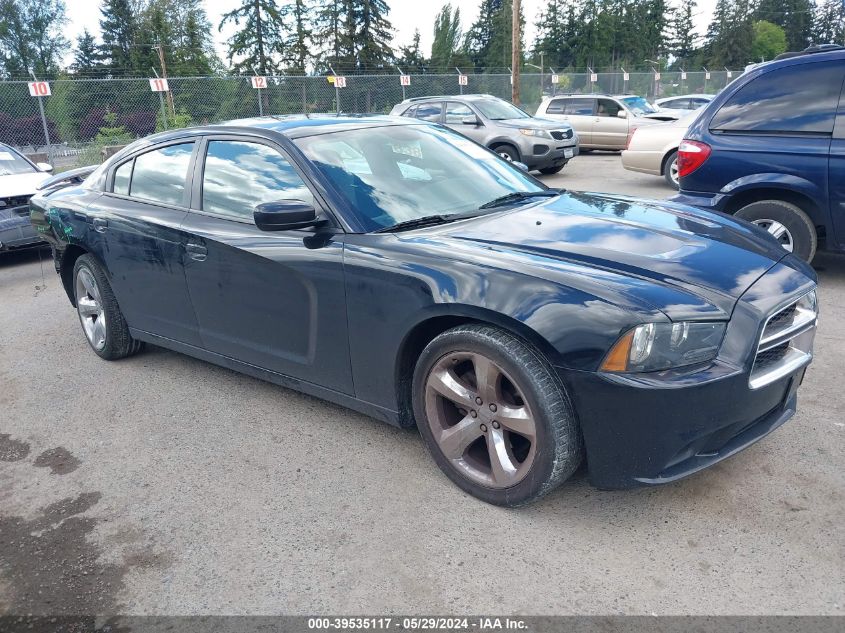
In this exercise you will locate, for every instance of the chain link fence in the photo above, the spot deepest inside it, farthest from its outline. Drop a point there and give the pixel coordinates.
(82, 115)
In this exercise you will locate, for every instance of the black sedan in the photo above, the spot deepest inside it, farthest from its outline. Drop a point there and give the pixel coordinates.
(399, 269)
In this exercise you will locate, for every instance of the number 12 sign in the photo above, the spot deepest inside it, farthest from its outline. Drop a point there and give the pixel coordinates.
(259, 82)
(39, 89)
(159, 85)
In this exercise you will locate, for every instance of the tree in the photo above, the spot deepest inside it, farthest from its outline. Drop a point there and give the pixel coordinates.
(829, 22)
(31, 37)
(488, 42)
(298, 42)
(681, 41)
(730, 33)
(335, 41)
(447, 38)
(86, 56)
(373, 39)
(553, 38)
(259, 42)
(769, 41)
(410, 57)
(118, 28)
(795, 17)
(478, 39)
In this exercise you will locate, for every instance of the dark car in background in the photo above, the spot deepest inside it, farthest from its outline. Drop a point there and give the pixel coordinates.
(400, 269)
(497, 124)
(770, 149)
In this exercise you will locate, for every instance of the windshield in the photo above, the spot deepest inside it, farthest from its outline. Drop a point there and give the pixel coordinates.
(498, 110)
(398, 173)
(639, 106)
(13, 163)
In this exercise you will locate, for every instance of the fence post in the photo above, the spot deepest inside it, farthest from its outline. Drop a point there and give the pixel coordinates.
(336, 90)
(44, 123)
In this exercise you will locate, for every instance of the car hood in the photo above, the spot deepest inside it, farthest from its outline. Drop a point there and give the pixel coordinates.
(659, 246)
(21, 184)
(535, 122)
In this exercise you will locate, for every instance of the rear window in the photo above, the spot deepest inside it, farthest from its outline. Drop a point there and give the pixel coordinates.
(798, 99)
(160, 174)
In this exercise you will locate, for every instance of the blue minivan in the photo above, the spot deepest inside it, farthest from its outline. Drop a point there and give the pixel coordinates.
(770, 149)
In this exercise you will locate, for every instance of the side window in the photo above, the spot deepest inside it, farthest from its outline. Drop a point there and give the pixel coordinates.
(697, 102)
(771, 102)
(121, 178)
(457, 112)
(580, 107)
(556, 106)
(159, 175)
(608, 108)
(429, 111)
(240, 175)
(682, 104)
(410, 112)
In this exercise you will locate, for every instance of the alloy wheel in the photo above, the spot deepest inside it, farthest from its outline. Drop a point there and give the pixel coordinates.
(673, 171)
(89, 305)
(778, 231)
(480, 419)
(506, 156)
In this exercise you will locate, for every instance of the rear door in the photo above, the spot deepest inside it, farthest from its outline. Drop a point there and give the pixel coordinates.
(136, 232)
(273, 299)
(836, 235)
(609, 131)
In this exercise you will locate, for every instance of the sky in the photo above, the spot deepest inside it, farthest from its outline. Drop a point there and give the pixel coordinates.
(406, 15)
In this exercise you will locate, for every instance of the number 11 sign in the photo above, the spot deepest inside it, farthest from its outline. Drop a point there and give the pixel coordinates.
(159, 85)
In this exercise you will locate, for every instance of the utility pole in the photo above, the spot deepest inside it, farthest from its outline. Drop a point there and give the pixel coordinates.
(160, 49)
(516, 53)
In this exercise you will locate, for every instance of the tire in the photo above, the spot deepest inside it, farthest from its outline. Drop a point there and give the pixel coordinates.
(786, 222)
(527, 395)
(507, 152)
(102, 322)
(670, 170)
(551, 170)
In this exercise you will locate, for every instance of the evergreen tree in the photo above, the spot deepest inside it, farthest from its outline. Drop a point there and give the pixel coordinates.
(829, 22)
(552, 37)
(373, 38)
(259, 42)
(479, 38)
(298, 42)
(489, 41)
(118, 28)
(447, 39)
(86, 56)
(410, 57)
(795, 17)
(681, 40)
(335, 41)
(730, 34)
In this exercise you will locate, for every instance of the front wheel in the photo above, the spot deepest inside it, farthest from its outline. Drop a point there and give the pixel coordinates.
(495, 415)
(786, 222)
(100, 316)
(507, 152)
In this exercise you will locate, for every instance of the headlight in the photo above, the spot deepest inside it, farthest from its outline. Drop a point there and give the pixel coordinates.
(657, 346)
(527, 131)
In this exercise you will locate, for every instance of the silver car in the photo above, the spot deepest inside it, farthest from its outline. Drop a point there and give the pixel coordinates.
(515, 135)
(19, 178)
(684, 102)
(603, 121)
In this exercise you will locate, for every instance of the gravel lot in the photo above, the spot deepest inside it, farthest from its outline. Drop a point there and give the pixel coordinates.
(165, 485)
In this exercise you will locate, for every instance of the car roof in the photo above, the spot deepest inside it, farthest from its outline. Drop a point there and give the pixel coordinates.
(465, 97)
(700, 95)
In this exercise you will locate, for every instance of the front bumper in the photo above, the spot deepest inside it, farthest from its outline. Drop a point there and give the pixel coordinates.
(549, 153)
(654, 428)
(16, 231)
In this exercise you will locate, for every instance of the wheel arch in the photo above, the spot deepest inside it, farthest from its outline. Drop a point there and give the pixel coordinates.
(496, 143)
(434, 324)
(665, 159)
(800, 199)
(70, 254)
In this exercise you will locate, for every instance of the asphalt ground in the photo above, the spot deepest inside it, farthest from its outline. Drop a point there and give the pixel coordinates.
(165, 485)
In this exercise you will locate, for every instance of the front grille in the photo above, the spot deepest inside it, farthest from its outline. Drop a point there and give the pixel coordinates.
(19, 205)
(786, 342)
(560, 135)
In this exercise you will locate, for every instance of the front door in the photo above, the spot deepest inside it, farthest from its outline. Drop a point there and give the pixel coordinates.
(609, 131)
(276, 299)
(579, 112)
(454, 118)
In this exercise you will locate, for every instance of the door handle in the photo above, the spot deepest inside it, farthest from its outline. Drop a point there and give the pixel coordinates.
(197, 252)
(100, 225)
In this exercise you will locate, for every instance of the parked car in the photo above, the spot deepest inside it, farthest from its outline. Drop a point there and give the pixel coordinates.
(495, 123)
(602, 121)
(653, 149)
(684, 103)
(400, 269)
(770, 149)
(19, 177)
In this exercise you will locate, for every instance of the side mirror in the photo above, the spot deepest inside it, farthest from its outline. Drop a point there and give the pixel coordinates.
(522, 166)
(284, 215)
(622, 114)
(44, 167)
(470, 120)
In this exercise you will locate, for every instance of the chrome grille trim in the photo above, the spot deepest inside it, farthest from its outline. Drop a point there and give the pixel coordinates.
(786, 342)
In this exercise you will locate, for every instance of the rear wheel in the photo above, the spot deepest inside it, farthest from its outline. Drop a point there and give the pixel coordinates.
(670, 170)
(495, 415)
(101, 319)
(786, 222)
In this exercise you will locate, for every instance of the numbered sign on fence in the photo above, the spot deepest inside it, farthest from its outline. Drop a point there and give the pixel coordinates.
(159, 85)
(730, 74)
(683, 75)
(463, 80)
(404, 80)
(594, 77)
(259, 82)
(340, 82)
(39, 89)
(625, 76)
(656, 76)
(555, 79)
(707, 75)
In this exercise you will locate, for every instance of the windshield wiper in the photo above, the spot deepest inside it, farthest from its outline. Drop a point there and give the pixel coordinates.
(518, 196)
(416, 223)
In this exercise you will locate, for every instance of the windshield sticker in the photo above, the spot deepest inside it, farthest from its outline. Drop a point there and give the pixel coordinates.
(6, 156)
